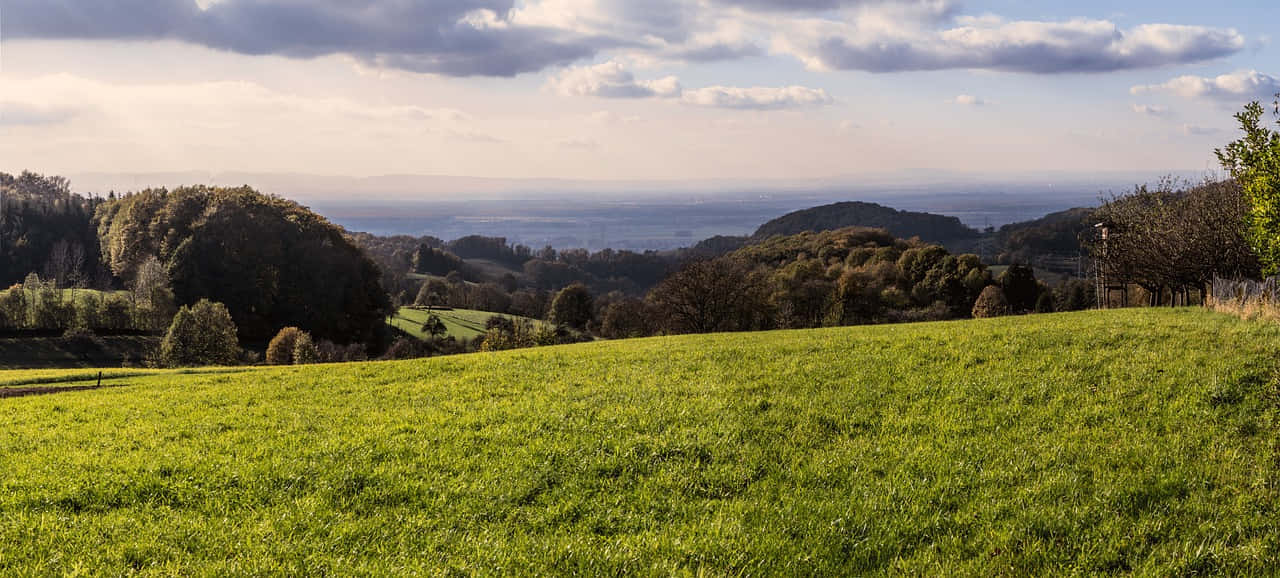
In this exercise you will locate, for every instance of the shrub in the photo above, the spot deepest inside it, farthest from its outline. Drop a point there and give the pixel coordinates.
(201, 334)
(991, 303)
(304, 350)
(572, 306)
(80, 341)
(1045, 303)
(13, 308)
(330, 352)
(117, 313)
(625, 318)
(1020, 288)
(280, 350)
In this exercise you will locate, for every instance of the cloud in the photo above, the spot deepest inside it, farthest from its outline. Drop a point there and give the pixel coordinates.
(1194, 130)
(14, 114)
(450, 37)
(828, 5)
(218, 106)
(583, 144)
(1155, 110)
(511, 37)
(758, 97)
(869, 43)
(1242, 85)
(967, 100)
(611, 80)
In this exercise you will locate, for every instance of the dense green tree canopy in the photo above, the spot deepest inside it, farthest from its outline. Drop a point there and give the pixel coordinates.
(1254, 161)
(45, 229)
(202, 334)
(272, 262)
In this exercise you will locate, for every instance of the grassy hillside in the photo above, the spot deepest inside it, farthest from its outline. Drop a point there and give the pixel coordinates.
(1123, 441)
(462, 323)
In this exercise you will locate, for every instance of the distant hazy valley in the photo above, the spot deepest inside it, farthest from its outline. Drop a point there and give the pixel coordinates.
(632, 215)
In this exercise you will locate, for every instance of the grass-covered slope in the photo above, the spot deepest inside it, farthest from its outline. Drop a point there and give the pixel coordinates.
(1125, 441)
(461, 323)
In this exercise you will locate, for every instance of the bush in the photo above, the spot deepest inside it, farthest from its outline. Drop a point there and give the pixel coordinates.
(201, 334)
(80, 341)
(1045, 303)
(1020, 288)
(330, 352)
(304, 350)
(280, 350)
(572, 306)
(626, 318)
(991, 303)
(117, 313)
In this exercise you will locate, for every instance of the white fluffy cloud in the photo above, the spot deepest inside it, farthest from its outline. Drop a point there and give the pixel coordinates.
(1242, 85)
(757, 97)
(612, 80)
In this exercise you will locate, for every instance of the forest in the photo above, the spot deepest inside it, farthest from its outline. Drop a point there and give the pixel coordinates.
(275, 272)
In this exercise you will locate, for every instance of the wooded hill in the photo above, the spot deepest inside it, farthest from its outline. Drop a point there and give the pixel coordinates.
(902, 224)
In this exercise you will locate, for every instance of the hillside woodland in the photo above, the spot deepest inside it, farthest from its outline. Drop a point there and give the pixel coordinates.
(129, 263)
(902, 224)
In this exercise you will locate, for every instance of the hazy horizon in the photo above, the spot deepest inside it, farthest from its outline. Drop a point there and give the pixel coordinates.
(683, 91)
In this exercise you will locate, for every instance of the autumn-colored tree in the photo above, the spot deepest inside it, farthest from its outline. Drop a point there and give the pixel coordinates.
(991, 303)
(280, 349)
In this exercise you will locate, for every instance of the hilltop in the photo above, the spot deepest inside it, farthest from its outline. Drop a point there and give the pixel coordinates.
(1120, 441)
(902, 224)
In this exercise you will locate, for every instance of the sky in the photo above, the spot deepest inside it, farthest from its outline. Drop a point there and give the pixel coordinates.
(662, 90)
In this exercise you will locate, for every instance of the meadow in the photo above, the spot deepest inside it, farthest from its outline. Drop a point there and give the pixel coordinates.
(461, 323)
(1135, 441)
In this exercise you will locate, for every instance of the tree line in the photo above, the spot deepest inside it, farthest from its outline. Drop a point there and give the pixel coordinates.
(1173, 239)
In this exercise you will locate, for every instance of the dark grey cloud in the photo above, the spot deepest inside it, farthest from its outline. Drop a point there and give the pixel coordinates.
(452, 37)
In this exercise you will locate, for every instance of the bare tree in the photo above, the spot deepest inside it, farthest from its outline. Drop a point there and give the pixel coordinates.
(1175, 238)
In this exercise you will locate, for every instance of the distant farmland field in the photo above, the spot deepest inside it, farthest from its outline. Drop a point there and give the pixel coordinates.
(462, 323)
(1137, 441)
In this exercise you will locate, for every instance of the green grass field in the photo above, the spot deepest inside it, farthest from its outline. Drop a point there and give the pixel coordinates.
(462, 323)
(1139, 441)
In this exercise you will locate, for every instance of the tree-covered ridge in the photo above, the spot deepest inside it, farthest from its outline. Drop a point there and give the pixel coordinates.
(902, 224)
(45, 229)
(1052, 242)
(271, 261)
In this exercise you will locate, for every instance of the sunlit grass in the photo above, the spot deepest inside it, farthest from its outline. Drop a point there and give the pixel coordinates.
(1135, 441)
(461, 323)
